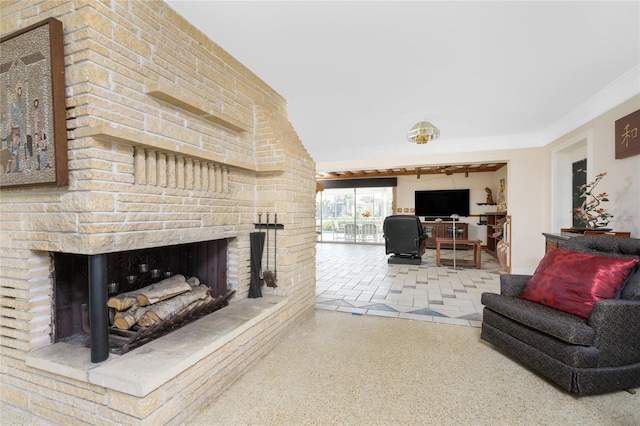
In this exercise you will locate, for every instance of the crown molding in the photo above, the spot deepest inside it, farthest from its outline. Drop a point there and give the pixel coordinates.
(620, 90)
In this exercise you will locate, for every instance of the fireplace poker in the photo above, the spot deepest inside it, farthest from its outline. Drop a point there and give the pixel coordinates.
(260, 230)
(269, 276)
(275, 250)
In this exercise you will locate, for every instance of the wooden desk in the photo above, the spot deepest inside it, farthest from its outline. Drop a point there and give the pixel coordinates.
(477, 252)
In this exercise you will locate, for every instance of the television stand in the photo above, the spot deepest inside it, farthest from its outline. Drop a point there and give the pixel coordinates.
(444, 230)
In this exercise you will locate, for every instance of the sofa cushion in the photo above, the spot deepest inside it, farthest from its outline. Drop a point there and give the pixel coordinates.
(561, 325)
(613, 247)
(631, 289)
(579, 356)
(572, 282)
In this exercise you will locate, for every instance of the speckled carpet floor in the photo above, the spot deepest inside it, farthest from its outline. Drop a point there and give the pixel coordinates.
(337, 368)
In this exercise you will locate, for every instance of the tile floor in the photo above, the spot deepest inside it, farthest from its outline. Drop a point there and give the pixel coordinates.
(357, 279)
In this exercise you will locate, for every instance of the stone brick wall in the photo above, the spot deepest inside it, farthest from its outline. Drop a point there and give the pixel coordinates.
(170, 140)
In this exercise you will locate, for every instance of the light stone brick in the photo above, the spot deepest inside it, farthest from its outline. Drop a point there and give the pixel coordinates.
(92, 164)
(102, 218)
(80, 202)
(22, 345)
(150, 167)
(197, 175)
(56, 7)
(140, 170)
(23, 305)
(180, 173)
(137, 407)
(171, 130)
(64, 413)
(7, 352)
(86, 17)
(155, 200)
(131, 41)
(17, 315)
(10, 323)
(16, 396)
(87, 244)
(167, 412)
(119, 228)
(17, 277)
(84, 73)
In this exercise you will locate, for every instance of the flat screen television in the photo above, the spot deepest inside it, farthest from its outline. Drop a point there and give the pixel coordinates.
(442, 203)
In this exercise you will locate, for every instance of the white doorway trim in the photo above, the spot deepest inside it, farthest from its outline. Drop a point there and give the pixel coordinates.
(562, 157)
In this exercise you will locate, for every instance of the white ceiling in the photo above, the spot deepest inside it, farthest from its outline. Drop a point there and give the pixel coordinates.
(490, 74)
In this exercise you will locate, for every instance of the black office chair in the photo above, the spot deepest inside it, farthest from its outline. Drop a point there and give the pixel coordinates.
(404, 237)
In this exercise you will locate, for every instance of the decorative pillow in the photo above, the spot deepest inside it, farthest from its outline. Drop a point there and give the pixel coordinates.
(573, 282)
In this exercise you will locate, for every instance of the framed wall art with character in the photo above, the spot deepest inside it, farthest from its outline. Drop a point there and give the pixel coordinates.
(32, 107)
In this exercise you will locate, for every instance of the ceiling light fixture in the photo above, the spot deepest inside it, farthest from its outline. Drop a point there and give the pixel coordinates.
(423, 132)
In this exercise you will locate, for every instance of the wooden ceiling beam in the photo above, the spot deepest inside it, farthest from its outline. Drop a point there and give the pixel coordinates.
(422, 170)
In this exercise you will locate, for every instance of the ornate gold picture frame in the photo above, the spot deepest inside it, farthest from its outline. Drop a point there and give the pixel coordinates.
(32, 107)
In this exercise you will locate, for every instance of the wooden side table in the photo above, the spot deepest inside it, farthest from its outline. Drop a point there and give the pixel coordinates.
(555, 240)
(477, 252)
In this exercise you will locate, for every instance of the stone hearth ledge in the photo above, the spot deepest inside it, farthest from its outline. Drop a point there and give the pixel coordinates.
(148, 367)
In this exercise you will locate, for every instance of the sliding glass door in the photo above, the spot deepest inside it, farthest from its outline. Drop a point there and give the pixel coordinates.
(353, 215)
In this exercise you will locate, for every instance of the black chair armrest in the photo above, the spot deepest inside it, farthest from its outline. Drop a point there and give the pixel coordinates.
(616, 324)
(513, 284)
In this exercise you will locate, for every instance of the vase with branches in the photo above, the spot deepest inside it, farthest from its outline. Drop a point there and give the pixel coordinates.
(591, 213)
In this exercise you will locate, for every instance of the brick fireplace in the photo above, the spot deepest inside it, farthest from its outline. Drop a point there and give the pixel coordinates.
(171, 143)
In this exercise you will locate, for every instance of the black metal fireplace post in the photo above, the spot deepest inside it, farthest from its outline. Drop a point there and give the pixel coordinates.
(98, 310)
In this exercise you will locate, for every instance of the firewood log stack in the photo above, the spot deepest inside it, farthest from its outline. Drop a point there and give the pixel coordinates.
(171, 307)
(158, 302)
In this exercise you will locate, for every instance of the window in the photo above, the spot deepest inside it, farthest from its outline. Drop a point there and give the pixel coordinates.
(352, 214)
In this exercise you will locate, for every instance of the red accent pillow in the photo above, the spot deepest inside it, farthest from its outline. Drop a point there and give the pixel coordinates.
(573, 282)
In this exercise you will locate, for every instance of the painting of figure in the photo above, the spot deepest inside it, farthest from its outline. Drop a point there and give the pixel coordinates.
(32, 107)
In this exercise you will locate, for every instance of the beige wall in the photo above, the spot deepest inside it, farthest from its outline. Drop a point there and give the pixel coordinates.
(476, 183)
(622, 182)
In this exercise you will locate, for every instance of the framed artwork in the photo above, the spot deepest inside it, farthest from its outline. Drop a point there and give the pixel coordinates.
(627, 138)
(32, 107)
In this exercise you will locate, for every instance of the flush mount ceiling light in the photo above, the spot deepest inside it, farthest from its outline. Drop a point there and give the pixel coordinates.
(423, 132)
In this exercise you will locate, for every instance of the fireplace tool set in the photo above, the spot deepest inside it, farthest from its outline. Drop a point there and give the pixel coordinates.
(270, 277)
(259, 276)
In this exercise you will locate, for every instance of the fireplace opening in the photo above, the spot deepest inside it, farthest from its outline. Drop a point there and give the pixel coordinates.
(127, 274)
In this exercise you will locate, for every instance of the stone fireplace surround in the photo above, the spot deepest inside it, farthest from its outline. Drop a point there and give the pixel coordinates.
(170, 141)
